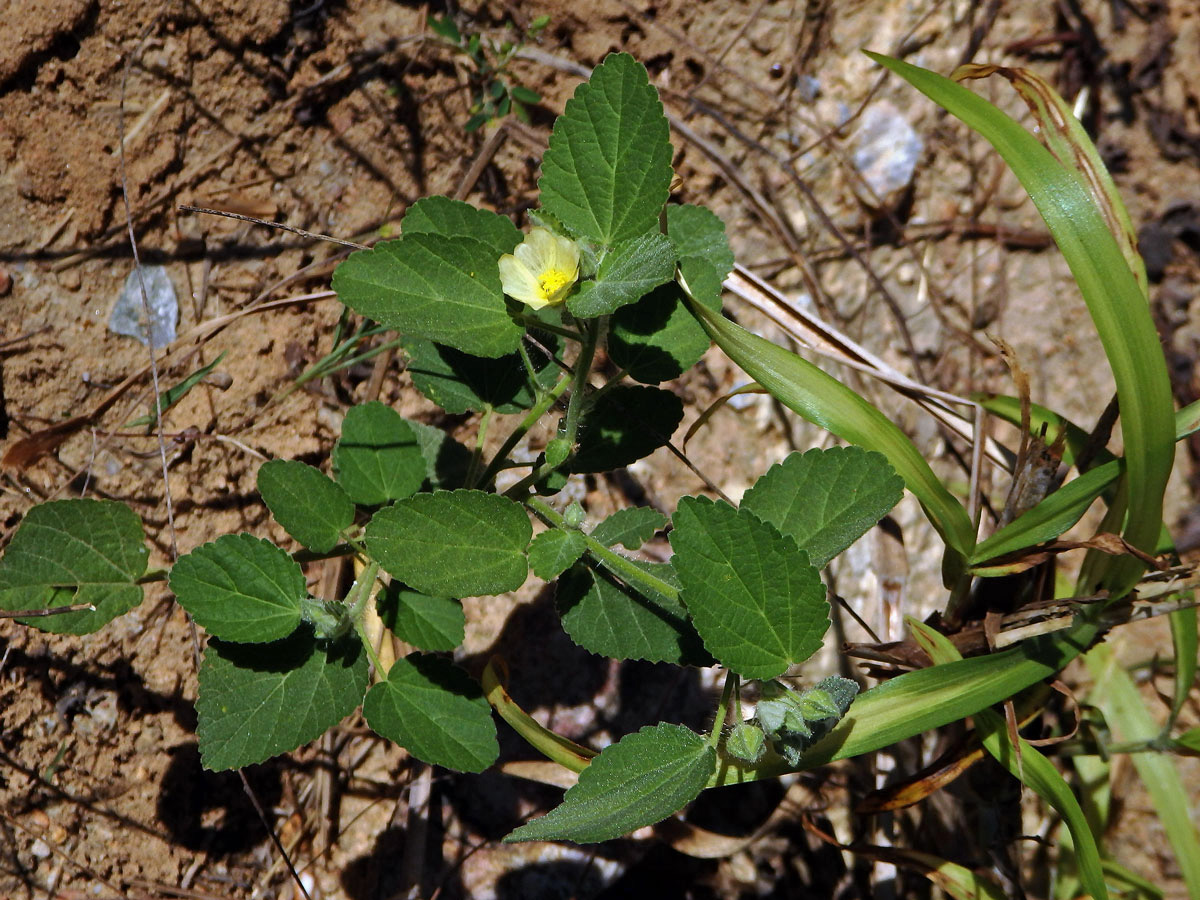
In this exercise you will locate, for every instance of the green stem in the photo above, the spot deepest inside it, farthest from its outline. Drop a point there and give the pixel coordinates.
(731, 683)
(530, 369)
(518, 490)
(619, 565)
(613, 382)
(480, 438)
(356, 599)
(554, 747)
(583, 368)
(539, 409)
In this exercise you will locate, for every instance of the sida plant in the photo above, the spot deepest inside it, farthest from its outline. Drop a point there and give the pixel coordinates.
(494, 320)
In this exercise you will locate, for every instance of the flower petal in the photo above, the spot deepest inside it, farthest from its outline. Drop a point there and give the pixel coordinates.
(519, 281)
(564, 256)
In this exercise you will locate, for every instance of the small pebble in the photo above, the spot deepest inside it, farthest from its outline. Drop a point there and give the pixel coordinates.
(5, 282)
(887, 150)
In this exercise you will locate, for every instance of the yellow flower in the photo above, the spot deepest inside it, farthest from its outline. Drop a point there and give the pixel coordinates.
(542, 270)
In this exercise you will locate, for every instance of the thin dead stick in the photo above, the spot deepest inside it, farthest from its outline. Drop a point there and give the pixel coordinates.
(485, 155)
(285, 227)
(4, 345)
(1121, 614)
(1158, 594)
(262, 817)
(52, 611)
(61, 854)
(141, 278)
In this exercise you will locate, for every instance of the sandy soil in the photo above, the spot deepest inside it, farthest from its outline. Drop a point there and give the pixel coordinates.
(333, 117)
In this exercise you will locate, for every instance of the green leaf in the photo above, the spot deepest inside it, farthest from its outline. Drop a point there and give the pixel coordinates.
(932, 697)
(640, 780)
(823, 400)
(1114, 299)
(175, 393)
(240, 588)
(697, 232)
(1065, 137)
(1051, 517)
(1189, 740)
(656, 339)
(436, 711)
(757, 603)
(631, 270)
(1027, 764)
(522, 94)
(74, 551)
(553, 552)
(702, 280)
(1128, 716)
(310, 507)
(610, 618)
(430, 623)
(378, 457)
(446, 460)
(444, 289)
(626, 424)
(794, 722)
(256, 701)
(957, 882)
(607, 171)
(1185, 640)
(630, 527)
(459, 382)
(746, 742)
(445, 27)
(453, 543)
(826, 499)
(453, 218)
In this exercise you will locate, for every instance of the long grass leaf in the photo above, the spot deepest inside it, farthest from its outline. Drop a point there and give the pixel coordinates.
(956, 881)
(1126, 713)
(1066, 138)
(1184, 639)
(1051, 517)
(930, 698)
(1113, 297)
(1027, 764)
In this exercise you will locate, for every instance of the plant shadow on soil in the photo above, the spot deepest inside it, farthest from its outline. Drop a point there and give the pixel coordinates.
(581, 695)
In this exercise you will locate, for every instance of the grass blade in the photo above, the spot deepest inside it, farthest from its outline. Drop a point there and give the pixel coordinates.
(1126, 713)
(1066, 138)
(174, 394)
(930, 698)
(1113, 297)
(1184, 639)
(1027, 764)
(1050, 518)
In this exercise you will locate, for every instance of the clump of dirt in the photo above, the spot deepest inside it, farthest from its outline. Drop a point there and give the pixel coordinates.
(38, 28)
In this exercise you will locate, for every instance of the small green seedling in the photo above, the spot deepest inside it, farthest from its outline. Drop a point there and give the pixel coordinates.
(494, 91)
